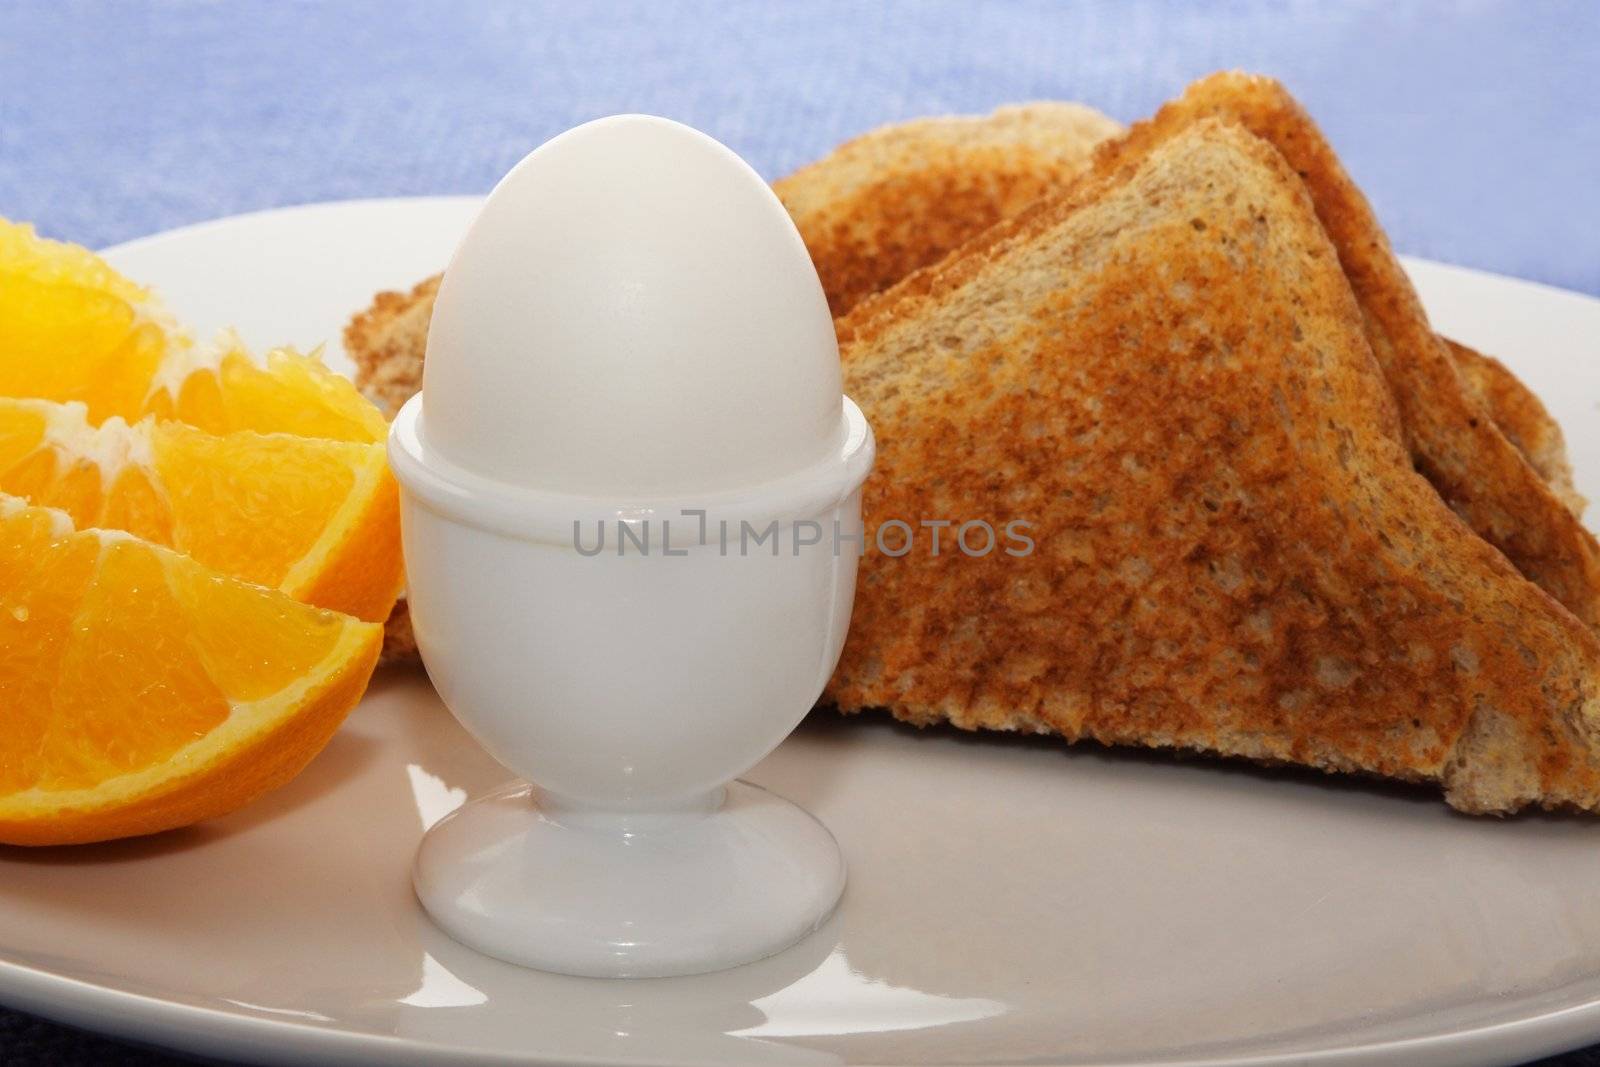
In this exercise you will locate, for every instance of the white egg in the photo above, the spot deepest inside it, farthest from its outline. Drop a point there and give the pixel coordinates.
(633, 314)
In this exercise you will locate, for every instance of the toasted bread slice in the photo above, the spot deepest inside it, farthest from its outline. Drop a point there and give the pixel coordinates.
(1453, 438)
(901, 197)
(1165, 374)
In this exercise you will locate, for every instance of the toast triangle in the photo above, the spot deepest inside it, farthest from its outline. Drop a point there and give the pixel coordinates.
(1170, 381)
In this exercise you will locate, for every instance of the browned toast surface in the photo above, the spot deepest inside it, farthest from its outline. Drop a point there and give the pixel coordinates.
(1453, 438)
(1166, 373)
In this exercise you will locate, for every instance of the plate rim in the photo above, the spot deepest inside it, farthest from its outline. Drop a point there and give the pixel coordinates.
(144, 241)
(151, 1020)
(189, 229)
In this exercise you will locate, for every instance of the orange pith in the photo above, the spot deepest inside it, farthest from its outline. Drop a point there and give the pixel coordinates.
(313, 517)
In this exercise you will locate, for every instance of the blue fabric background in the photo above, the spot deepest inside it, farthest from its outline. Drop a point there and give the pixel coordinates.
(1472, 125)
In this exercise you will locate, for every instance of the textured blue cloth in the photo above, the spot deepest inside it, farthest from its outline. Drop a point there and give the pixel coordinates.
(1472, 125)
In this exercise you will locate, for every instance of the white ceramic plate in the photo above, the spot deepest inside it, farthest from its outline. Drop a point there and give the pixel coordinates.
(1009, 900)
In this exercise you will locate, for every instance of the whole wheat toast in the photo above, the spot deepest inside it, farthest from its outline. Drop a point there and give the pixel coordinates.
(1453, 439)
(1165, 373)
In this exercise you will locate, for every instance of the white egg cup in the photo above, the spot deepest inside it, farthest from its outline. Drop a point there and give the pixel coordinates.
(630, 333)
(630, 688)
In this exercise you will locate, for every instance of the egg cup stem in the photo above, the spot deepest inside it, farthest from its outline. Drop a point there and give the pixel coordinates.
(629, 895)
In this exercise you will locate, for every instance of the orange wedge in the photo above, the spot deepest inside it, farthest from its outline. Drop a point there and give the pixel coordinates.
(224, 389)
(71, 328)
(312, 517)
(143, 691)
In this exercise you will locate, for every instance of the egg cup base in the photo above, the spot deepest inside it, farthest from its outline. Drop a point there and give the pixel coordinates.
(608, 895)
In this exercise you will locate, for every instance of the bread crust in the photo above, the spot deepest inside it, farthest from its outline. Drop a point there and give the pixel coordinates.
(1522, 417)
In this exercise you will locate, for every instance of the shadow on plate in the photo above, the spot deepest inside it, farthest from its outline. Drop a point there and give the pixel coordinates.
(826, 723)
(346, 756)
